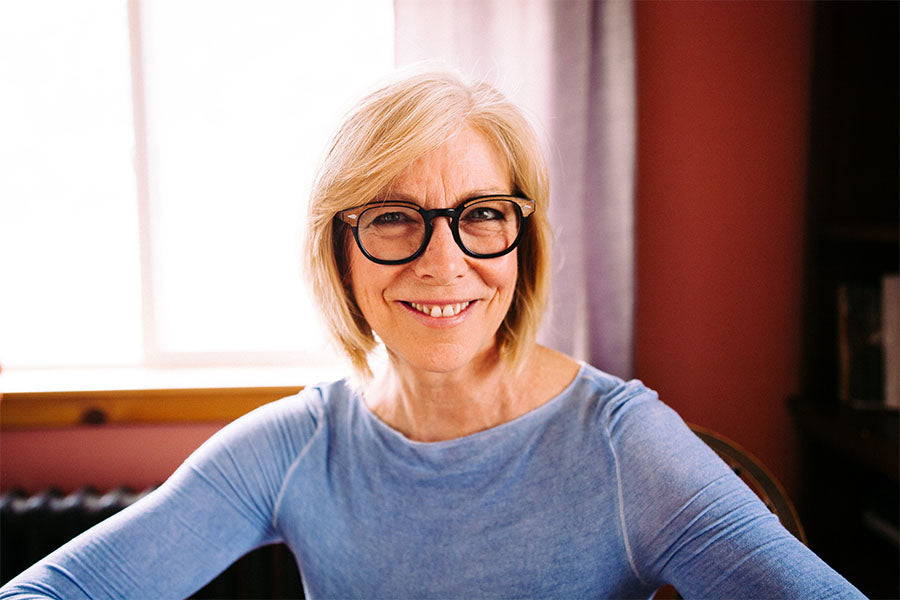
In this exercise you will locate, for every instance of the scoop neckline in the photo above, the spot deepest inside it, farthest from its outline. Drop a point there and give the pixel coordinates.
(513, 424)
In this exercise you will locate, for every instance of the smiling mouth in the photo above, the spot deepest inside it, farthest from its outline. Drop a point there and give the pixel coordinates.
(442, 311)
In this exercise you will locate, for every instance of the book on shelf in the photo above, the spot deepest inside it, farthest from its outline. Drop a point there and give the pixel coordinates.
(890, 339)
(867, 343)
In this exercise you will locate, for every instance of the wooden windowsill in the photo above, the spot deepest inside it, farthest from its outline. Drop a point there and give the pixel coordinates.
(40, 399)
(100, 407)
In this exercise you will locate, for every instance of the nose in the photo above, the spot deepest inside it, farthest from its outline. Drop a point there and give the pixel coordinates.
(443, 260)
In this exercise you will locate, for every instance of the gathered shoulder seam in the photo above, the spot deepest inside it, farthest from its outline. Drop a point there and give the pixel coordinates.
(620, 499)
(320, 427)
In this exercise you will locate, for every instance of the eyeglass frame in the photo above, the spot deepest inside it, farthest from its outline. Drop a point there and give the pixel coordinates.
(350, 216)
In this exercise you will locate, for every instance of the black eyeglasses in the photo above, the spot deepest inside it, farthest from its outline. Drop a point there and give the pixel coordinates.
(394, 232)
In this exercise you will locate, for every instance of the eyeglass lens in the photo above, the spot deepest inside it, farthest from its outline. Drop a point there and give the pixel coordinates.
(396, 232)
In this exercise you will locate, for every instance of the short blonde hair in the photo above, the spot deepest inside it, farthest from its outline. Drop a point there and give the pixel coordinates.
(379, 139)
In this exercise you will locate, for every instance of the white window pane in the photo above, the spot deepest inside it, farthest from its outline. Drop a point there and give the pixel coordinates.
(242, 97)
(69, 260)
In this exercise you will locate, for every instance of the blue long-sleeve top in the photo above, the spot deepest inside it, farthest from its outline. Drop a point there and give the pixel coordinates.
(602, 492)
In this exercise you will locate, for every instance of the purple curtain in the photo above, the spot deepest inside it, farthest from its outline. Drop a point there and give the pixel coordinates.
(571, 64)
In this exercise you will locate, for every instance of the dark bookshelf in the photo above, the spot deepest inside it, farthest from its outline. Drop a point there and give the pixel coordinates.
(849, 480)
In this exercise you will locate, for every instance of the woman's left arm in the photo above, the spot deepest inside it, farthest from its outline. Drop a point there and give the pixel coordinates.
(692, 523)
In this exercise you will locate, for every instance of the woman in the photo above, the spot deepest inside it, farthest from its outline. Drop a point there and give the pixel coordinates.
(473, 462)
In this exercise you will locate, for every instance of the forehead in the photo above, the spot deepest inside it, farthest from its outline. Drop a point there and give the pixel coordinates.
(467, 164)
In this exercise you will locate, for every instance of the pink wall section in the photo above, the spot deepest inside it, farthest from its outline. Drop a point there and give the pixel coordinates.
(104, 457)
(722, 104)
(723, 109)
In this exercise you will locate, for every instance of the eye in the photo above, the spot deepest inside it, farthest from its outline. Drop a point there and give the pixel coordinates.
(483, 213)
(392, 218)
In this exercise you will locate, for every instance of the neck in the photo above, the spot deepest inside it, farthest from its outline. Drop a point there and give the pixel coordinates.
(429, 406)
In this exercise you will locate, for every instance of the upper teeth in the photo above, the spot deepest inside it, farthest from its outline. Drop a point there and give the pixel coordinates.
(447, 310)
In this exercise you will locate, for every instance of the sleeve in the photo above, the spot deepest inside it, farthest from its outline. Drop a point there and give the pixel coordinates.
(689, 521)
(216, 507)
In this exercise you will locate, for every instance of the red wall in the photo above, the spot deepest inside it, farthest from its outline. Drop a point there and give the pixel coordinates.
(722, 92)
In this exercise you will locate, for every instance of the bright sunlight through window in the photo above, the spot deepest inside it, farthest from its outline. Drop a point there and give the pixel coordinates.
(157, 157)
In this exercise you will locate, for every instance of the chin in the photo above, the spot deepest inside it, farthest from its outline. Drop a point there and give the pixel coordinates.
(439, 361)
(443, 358)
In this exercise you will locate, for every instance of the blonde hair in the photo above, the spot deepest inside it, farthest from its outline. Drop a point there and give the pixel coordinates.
(381, 136)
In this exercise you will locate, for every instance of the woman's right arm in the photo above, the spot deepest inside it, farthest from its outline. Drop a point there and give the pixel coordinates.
(216, 507)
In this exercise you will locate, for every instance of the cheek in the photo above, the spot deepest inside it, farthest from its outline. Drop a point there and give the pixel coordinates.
(503, 276)
(367, 282)
(510, 274)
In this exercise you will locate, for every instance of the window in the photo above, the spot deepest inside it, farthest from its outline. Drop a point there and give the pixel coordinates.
(157, 160)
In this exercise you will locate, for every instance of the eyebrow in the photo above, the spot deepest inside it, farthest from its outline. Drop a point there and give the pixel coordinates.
(389, 195)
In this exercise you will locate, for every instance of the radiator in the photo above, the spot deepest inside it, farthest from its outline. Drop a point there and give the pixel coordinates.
(32, 526)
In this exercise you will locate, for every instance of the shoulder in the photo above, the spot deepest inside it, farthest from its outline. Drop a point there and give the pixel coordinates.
(309, 407)
(612, 401)
(281, 428)
(631, 420)
(652, 444)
